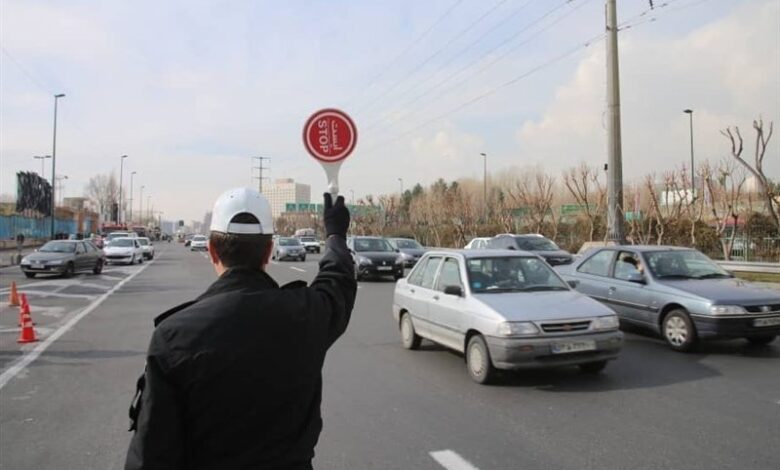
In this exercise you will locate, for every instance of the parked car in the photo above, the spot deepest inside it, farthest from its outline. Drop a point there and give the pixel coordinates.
(64, 257)
(147, 247)
(503, 310)
(479, 243)
(410, 250)
(374, 256)
(198, 243)
(288, 248)
(311, 244)
(677, 292)
(536, 243)
(124, 250)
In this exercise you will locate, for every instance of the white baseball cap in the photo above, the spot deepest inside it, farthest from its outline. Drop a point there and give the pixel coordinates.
(240, 201)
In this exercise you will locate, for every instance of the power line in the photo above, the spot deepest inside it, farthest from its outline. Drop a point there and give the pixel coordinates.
(432, 56)
(489, 64)
(27, 73)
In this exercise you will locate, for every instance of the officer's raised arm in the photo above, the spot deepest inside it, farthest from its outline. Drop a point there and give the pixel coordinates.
(335, 283)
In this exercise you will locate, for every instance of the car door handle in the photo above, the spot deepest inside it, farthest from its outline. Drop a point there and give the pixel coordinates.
(435, 297)
(612, 289)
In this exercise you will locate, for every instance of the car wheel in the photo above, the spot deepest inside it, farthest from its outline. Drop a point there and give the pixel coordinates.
(478, 361)
(409, 337)
(98, 267)
(141, 259)
(70, 270)
(303, 258)
(761, 340)
(151, 257)
(30, 275)
(358, 276)
(678, 330)
(132, 260)
(593, 367)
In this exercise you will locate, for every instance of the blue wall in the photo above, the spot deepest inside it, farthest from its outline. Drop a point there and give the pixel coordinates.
(11, 225)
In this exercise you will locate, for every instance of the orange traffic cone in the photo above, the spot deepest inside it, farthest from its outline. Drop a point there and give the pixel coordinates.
(27, 335)
(13, 301)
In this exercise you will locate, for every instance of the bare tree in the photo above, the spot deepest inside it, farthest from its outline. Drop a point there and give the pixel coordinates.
(724, 189)
(103, 191)
(584, 185)
(768, 188)
(534, 192)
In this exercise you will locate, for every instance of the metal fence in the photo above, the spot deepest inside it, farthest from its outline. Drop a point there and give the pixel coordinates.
(31, 227)
(765, 249)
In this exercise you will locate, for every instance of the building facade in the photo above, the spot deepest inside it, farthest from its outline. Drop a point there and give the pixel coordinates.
(284, 191)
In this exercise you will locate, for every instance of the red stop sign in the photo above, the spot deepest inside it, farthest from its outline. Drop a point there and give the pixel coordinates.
(329, 135)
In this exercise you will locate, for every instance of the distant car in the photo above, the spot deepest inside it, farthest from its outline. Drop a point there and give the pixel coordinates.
(114, 235)
(288, 248)
(147, 246)
(503, 310)
(64, 257)
(538, 244)
(479, 243)
(677, 292)
(311, 244)
(198, 243)
(410, 250)
(124, 250)
(374, 256)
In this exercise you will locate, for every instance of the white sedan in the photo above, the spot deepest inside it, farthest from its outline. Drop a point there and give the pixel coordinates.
(199, 243)
(504, 310)
(124, 250)
(147, 246)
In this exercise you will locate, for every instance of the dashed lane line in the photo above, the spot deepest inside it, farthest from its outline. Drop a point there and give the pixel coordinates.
(20, 364)
(298, 269)
(451, 460)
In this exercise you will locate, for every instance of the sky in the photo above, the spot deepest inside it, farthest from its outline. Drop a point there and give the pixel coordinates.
(191, 90)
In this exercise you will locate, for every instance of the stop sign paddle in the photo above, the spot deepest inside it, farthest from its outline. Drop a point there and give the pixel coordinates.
(330, 137)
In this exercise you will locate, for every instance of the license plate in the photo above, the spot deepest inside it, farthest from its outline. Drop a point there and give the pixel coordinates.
(573, 346)
(36, 265)
(774, 321)
(384, 268)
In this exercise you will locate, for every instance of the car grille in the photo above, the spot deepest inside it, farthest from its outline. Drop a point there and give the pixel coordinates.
(769, 308)
(565, 327)
(117, 256)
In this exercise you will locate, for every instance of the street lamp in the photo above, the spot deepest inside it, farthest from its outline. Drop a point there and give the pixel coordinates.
(131, 196)
(352, 195)
(401, 182)
(149, 206)
(484, 182)
(54, 163)
(689, 112)
(60, 186)
(119, 217)
(42, 158)
(141, 205)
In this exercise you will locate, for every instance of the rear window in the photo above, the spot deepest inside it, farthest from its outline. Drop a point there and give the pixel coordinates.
(535, 244)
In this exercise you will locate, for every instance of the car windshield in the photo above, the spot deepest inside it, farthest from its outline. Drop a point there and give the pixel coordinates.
(199, 238)
(512, 274)
(308, 239)
(372, 244)
(112, 236)
(121, 242)
(58, 247)
(143, 241)
(289, 242)
(683, 264)
(536, 244)
(407, 243)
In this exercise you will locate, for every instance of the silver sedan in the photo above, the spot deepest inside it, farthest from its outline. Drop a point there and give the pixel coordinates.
(677, 292)
(503, 310)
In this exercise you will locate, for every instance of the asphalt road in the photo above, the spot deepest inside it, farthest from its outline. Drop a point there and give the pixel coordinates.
(384, 407)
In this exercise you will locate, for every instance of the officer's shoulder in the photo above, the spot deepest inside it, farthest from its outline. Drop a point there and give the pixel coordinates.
(169, 313)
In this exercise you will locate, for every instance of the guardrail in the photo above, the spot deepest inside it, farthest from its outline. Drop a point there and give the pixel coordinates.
(754, 267)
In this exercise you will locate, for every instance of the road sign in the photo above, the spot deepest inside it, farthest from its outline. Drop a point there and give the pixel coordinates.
(330, 136)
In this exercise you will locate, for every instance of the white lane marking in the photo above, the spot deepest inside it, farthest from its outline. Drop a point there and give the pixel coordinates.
(451, 460)
(14, 369)
(298, 269)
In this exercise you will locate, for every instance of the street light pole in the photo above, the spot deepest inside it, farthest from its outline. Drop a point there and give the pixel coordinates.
(689, 112)
(119, 217)
(54, 164)
(61, 186)
(42, 158)
(352, 194)
(484, 183)
(131, 196)
(141, 205)
(149, 206)
(614, 150)
(401, 182)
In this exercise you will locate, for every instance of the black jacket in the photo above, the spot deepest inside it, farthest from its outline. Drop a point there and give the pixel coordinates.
(233, 380)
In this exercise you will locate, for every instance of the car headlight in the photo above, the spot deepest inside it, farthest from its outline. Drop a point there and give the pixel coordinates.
(400, 260)
(25, 261)
(363, 260)
(727, 310)
(517, 328)
(606, 323)
(54, 262)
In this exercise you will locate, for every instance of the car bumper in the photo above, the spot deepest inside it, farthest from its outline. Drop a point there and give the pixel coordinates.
(198, 247)
(736, 327)
(522, 353)
(288, 255)
(396, 270)
(59, 268)
(313, 249)
(119, 259)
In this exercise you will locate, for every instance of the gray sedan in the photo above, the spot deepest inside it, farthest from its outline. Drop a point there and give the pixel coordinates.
(677, 292)
(504, 310)
(64, 257)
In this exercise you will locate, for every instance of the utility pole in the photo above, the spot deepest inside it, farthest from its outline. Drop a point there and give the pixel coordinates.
(131, 195)
(54, 165)
(260, 169)
(614, 152)
(119, 212)
(484, 184)
(689, 112)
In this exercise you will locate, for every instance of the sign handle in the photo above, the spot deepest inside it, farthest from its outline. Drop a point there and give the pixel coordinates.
(332, 173)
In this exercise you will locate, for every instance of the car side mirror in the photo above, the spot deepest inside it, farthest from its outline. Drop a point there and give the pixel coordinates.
(397, 250)
(454, 290)
(511, 248)
(573, 283)
(637, 277)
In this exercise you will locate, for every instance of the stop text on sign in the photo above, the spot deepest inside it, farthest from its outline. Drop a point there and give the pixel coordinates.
(329, 135)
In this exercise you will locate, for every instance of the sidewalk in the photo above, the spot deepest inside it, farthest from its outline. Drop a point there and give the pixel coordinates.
(6, 255)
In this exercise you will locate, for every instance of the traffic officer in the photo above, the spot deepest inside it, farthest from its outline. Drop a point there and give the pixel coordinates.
(233, 379)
